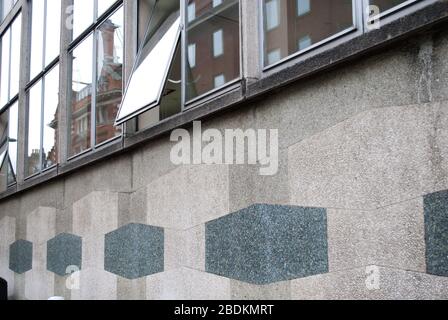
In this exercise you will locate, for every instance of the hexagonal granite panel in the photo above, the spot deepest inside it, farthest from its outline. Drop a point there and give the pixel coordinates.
(264, 244)
(436, 233)
(134, 251)
(63, 251)
(21, 256)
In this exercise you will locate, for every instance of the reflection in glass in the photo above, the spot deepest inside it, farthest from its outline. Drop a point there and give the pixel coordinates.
(6, 6)
(109, 76)
(155, 58)
(303, 24)
(215, 32)
(83, 15)
(149, 33)
(103, 5)
(13, 131)
(37, 38)
(16, 35)
(33, 134)
(4, 68)
(81, 97)
(53, 30)
(50, 119)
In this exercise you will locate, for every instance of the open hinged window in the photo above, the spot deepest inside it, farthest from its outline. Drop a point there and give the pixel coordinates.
(8, 146)
(151, 82)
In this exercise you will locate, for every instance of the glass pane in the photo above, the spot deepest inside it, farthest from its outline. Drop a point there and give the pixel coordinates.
(53, 30)
(37, 38)
(155, 58)
(4, 81)
(215, 33)
(81, 97)
(6, 7)
(385, 5)
(109, 76)
(82, 16)
(303, 23)
(50, 129)
(103, 5)
(16, 34)
(4, 117)
(33, 134)
(12, 145)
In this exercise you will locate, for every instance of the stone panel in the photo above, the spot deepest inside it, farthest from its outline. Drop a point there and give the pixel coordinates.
(63, 251)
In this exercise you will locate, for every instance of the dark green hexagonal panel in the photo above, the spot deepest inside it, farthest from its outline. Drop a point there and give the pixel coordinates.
(264, 244)
(21, 256)
(134, 251)
(64, 251)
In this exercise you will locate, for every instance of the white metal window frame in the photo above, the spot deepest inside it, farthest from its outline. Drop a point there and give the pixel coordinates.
(390, 11)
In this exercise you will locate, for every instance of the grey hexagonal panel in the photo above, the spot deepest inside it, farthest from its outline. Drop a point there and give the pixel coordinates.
(134, 251)
(267, 243)
(21, 256)
(64, 251)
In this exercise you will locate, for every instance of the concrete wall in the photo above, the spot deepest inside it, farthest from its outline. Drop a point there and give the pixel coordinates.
(357, 210)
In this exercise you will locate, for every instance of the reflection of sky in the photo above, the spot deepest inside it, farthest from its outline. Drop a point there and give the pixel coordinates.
(82, 16)
(13, 131)
(82, 64)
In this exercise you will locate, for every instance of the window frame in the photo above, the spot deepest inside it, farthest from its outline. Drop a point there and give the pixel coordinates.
(7, 142)
(213, 93)
(356, 27)
(92, 30)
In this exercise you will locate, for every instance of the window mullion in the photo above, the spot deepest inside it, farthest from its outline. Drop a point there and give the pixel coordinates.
(44, 40)
(94, 89)
(42, 102)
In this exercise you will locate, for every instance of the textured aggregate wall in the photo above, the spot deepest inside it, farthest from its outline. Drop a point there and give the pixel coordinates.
(362, 182)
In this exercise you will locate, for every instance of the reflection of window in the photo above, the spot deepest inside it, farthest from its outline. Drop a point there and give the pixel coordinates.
(274, 56)
(303, 27)
(9, 120)
(220, 80)
(191, 11)
(97, 90)
(192, 55)
(272, 14)
(10, 62)
(303, 7)
(216, 33)
(304, 42)
(217, 3)
(218, 43)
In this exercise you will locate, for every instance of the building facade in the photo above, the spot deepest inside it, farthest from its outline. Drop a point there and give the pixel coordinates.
(93, 206)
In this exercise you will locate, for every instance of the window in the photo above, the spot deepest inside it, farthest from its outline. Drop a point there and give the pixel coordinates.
(218, 53)
(303, 7)
(159, 96)
(8, 146)
(304, 42)
(272, 14)
(191, 11)
(211, 53)
(220, 80)
(217, 3)
(192, 55)
(96, 78)
(5, 7)
(10, 62)
(274, 56)
(306, 23)
(218, 43)
(45, 34)
(42, 132)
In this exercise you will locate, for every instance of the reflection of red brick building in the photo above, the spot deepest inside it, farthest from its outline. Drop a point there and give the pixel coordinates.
(207, 66)
(298, 28)
(108, 96)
